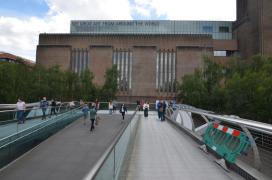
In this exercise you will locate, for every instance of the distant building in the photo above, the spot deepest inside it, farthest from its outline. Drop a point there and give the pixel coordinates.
(151, 56)
(7, 57)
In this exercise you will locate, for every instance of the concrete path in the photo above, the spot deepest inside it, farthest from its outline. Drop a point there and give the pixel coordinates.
(163, 152)
(67, 155)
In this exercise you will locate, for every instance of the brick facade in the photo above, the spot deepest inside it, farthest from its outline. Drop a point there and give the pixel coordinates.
(253, 28)
(56, 49)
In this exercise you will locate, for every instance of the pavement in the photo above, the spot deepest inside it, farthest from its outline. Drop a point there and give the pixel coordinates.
(69, 154)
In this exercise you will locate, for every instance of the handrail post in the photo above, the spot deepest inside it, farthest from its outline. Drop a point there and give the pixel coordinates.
(257, 159)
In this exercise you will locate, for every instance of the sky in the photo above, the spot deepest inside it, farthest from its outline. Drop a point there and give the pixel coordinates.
(21, 21)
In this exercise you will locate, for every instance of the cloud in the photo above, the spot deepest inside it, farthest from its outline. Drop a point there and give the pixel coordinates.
(189, 10)
(19, 35)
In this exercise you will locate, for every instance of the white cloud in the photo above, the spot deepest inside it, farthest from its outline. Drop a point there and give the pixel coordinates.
(20, 35)
(191, 9)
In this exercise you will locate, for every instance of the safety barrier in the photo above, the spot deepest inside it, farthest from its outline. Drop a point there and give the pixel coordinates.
(226, 142)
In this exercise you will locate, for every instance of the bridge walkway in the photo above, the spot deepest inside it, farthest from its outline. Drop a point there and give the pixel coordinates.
(69, 154)
(162, 151)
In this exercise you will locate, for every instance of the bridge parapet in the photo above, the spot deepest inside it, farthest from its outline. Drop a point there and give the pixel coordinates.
(254, 145)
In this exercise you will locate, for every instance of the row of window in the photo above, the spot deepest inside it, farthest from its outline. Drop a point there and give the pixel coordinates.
(80, 60)
(123, 60)
(209, 29)
(166, 71)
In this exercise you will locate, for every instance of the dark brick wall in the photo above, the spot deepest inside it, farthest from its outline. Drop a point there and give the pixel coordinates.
(56, 49)
(253, 28)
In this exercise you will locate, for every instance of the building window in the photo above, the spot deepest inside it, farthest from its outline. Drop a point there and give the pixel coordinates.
(207, 29)
(123, 60)
(220, 53)
(223, 29)
(166, 71)
(80, 60)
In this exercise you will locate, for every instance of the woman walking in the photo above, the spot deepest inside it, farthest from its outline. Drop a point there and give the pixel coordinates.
(146, 109)
(110, 107)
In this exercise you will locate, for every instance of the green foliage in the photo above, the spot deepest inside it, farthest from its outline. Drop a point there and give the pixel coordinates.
(32, 83)
(243, 88)
(193, 89)
(110, 88)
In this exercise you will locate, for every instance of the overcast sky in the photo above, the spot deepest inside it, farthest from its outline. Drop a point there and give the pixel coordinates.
(22, 20)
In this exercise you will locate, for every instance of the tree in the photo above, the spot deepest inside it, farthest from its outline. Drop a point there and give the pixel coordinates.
(109, 89)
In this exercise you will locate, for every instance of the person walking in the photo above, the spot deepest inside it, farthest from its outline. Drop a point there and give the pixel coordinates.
(123, 110)
(110, 107)
(53, 107)
(97, 104)
(164, 105)
(85, 110)
(92, 116)
(20, 107)
(146, 109)
(114, 104)
(160, 110)
(138, 105)
(44, 106)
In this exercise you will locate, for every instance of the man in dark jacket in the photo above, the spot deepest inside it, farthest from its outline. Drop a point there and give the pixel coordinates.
(53, 107)
(164, 110)
(92, 116)
(123, 110)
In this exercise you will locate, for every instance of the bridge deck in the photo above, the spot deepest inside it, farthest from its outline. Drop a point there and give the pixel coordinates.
(69, 154)
(164, 152)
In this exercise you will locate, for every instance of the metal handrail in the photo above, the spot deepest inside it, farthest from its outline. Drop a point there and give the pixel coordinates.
(32, 127)
(33, 107)
(94, 171)
(250, 124)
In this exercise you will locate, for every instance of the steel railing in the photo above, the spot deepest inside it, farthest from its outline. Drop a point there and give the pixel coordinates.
(260, 135)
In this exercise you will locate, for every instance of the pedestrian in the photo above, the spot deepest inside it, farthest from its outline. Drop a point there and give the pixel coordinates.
(164, 105)
(85, 110)
(123, 110)
(160, 110)
(146, 109)
(53, 107)
(114, 103)
(44, 106)
(138, 105)
(97, 104)
(20, 107)
(110, 107)
(81, 102)
(92, 116)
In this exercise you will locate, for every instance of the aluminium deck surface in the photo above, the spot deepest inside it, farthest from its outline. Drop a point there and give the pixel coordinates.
(67, 155)
(162, 152)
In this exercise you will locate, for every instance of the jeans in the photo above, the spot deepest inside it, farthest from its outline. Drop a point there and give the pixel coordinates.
(43, 111)
(123, 115)
(92, 124)
(20, 116)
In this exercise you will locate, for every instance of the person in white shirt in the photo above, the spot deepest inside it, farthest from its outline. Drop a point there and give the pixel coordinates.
(146, 109)
(110, 107)
(20, 107)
